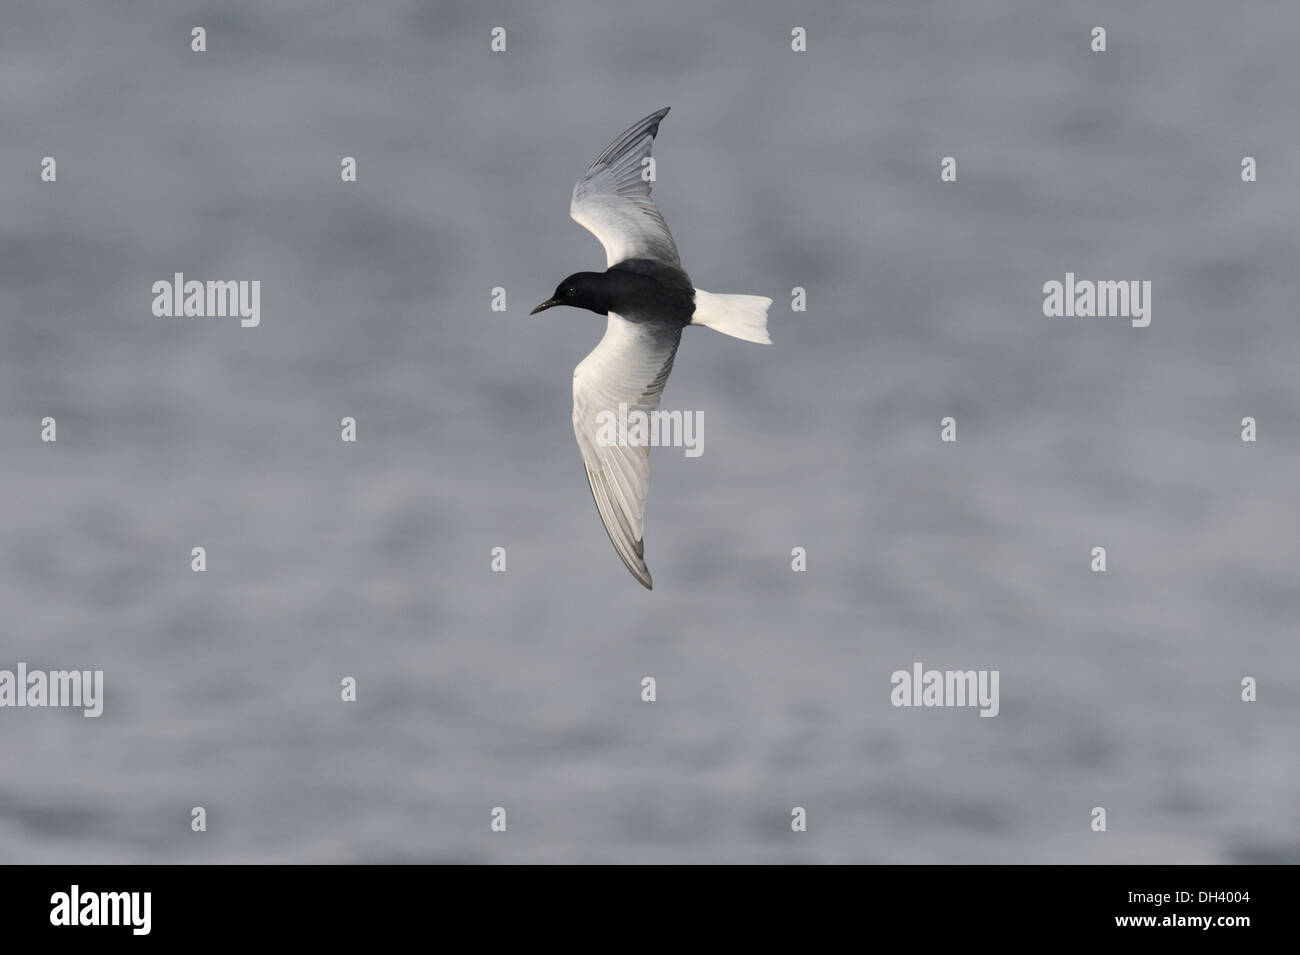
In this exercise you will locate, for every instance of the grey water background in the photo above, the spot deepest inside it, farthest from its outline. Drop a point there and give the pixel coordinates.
(522, 689)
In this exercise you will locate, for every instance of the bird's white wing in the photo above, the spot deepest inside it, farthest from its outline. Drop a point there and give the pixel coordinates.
(629, 367)
(612, 201)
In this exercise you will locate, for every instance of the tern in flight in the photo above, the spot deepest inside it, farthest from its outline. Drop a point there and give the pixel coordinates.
(648, 299)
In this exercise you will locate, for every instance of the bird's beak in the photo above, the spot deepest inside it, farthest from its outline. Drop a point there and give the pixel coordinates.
(544, 306)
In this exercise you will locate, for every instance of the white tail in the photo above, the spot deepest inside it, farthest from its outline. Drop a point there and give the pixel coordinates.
(740, 316)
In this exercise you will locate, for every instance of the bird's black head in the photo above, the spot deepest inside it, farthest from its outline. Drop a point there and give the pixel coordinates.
(581, 290)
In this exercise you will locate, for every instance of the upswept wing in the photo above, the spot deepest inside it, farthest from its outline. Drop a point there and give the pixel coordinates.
(612, 201)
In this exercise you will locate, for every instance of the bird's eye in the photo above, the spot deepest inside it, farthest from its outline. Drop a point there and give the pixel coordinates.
(569, 291)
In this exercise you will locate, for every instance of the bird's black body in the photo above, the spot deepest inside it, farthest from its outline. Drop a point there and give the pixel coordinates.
(640, 290)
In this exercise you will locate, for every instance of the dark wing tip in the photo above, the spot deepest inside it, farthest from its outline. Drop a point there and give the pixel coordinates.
(630, 137)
